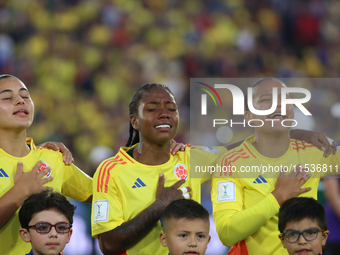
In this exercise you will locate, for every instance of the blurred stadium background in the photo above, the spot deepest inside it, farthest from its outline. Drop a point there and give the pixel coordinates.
(83, 60)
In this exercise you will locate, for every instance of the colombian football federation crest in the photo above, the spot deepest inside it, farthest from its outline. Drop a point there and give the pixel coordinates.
(43, 166)
(181, 172)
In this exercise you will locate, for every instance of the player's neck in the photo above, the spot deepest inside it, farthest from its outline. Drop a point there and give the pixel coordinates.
(272, 145)
(151, 154)
(14, 143)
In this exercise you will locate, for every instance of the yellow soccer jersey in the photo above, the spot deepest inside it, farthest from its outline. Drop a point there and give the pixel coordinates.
(68, 180)
(123, 187)
(244, 210)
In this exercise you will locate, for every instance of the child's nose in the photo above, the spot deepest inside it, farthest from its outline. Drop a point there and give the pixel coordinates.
(302, 240)
(193, 242)
(53, 232)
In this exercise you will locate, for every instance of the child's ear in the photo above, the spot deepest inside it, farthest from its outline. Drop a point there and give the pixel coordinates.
(282, 241)
(69, 235)
(25, 235)
(324, 237)
(209, 238)
(162, 238)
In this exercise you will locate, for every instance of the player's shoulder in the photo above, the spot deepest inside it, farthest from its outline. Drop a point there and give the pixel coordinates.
(302, 146)
(41, 151)
(243, 149)
(205, 149)
(116, 163)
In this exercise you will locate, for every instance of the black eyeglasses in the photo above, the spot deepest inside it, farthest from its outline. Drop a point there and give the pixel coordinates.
(293, 236)
(45, 227)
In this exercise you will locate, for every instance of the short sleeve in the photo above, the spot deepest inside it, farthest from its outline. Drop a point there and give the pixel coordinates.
(76, 184)
(107, 210)
(203, 159)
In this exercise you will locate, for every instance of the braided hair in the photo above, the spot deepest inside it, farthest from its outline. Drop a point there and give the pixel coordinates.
(133, 109)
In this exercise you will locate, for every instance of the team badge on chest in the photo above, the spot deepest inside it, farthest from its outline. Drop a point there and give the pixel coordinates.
(181, 172)
(43, 166)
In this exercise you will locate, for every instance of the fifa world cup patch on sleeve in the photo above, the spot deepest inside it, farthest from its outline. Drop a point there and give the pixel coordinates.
(100, 211)
(226, 191)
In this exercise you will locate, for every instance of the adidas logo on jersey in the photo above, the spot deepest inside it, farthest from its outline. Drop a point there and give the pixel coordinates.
(138, 184)
(3, 173)
(260, 180)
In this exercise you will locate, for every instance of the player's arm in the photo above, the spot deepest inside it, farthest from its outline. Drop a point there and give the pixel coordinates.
(25, 184)
(234, 224)
(202, 158)
(76, 183)
(318, 139)
(131, 232)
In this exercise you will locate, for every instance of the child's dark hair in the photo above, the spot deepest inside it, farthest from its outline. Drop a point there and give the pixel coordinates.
(133, 108)
(299, 208)
(45, 200)
(185, 208)
(257, 83)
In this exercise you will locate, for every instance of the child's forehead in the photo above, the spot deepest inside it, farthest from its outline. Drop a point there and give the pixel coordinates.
(188, 224)
(301, 225)
(49, 215)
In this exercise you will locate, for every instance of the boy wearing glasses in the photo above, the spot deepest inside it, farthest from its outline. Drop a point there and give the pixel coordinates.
(303, 226)
(46, 219)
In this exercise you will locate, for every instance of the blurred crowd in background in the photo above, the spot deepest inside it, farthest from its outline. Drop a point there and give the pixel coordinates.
(82, 60)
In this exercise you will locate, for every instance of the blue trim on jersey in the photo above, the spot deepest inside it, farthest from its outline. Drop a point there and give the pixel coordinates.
(31, 253)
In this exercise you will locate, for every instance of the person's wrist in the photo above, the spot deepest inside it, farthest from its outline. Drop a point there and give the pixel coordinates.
(278, 197)
(162, 202)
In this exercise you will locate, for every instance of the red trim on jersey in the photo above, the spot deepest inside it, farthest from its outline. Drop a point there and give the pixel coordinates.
(232, 154)
(108, 175)
(231, 158)
(299, 148)
(232, 161)
(249, 151)
(239, 249)
(105, 169)
(194, 147)
(100, 172)
(128, 158)
(188, 145)
(297, 144)
(30, 142)
(122, 253)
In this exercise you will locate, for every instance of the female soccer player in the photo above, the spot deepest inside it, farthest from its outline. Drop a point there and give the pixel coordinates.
(129, 194)
(132, 189)
(23, 165)
(245, 205)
